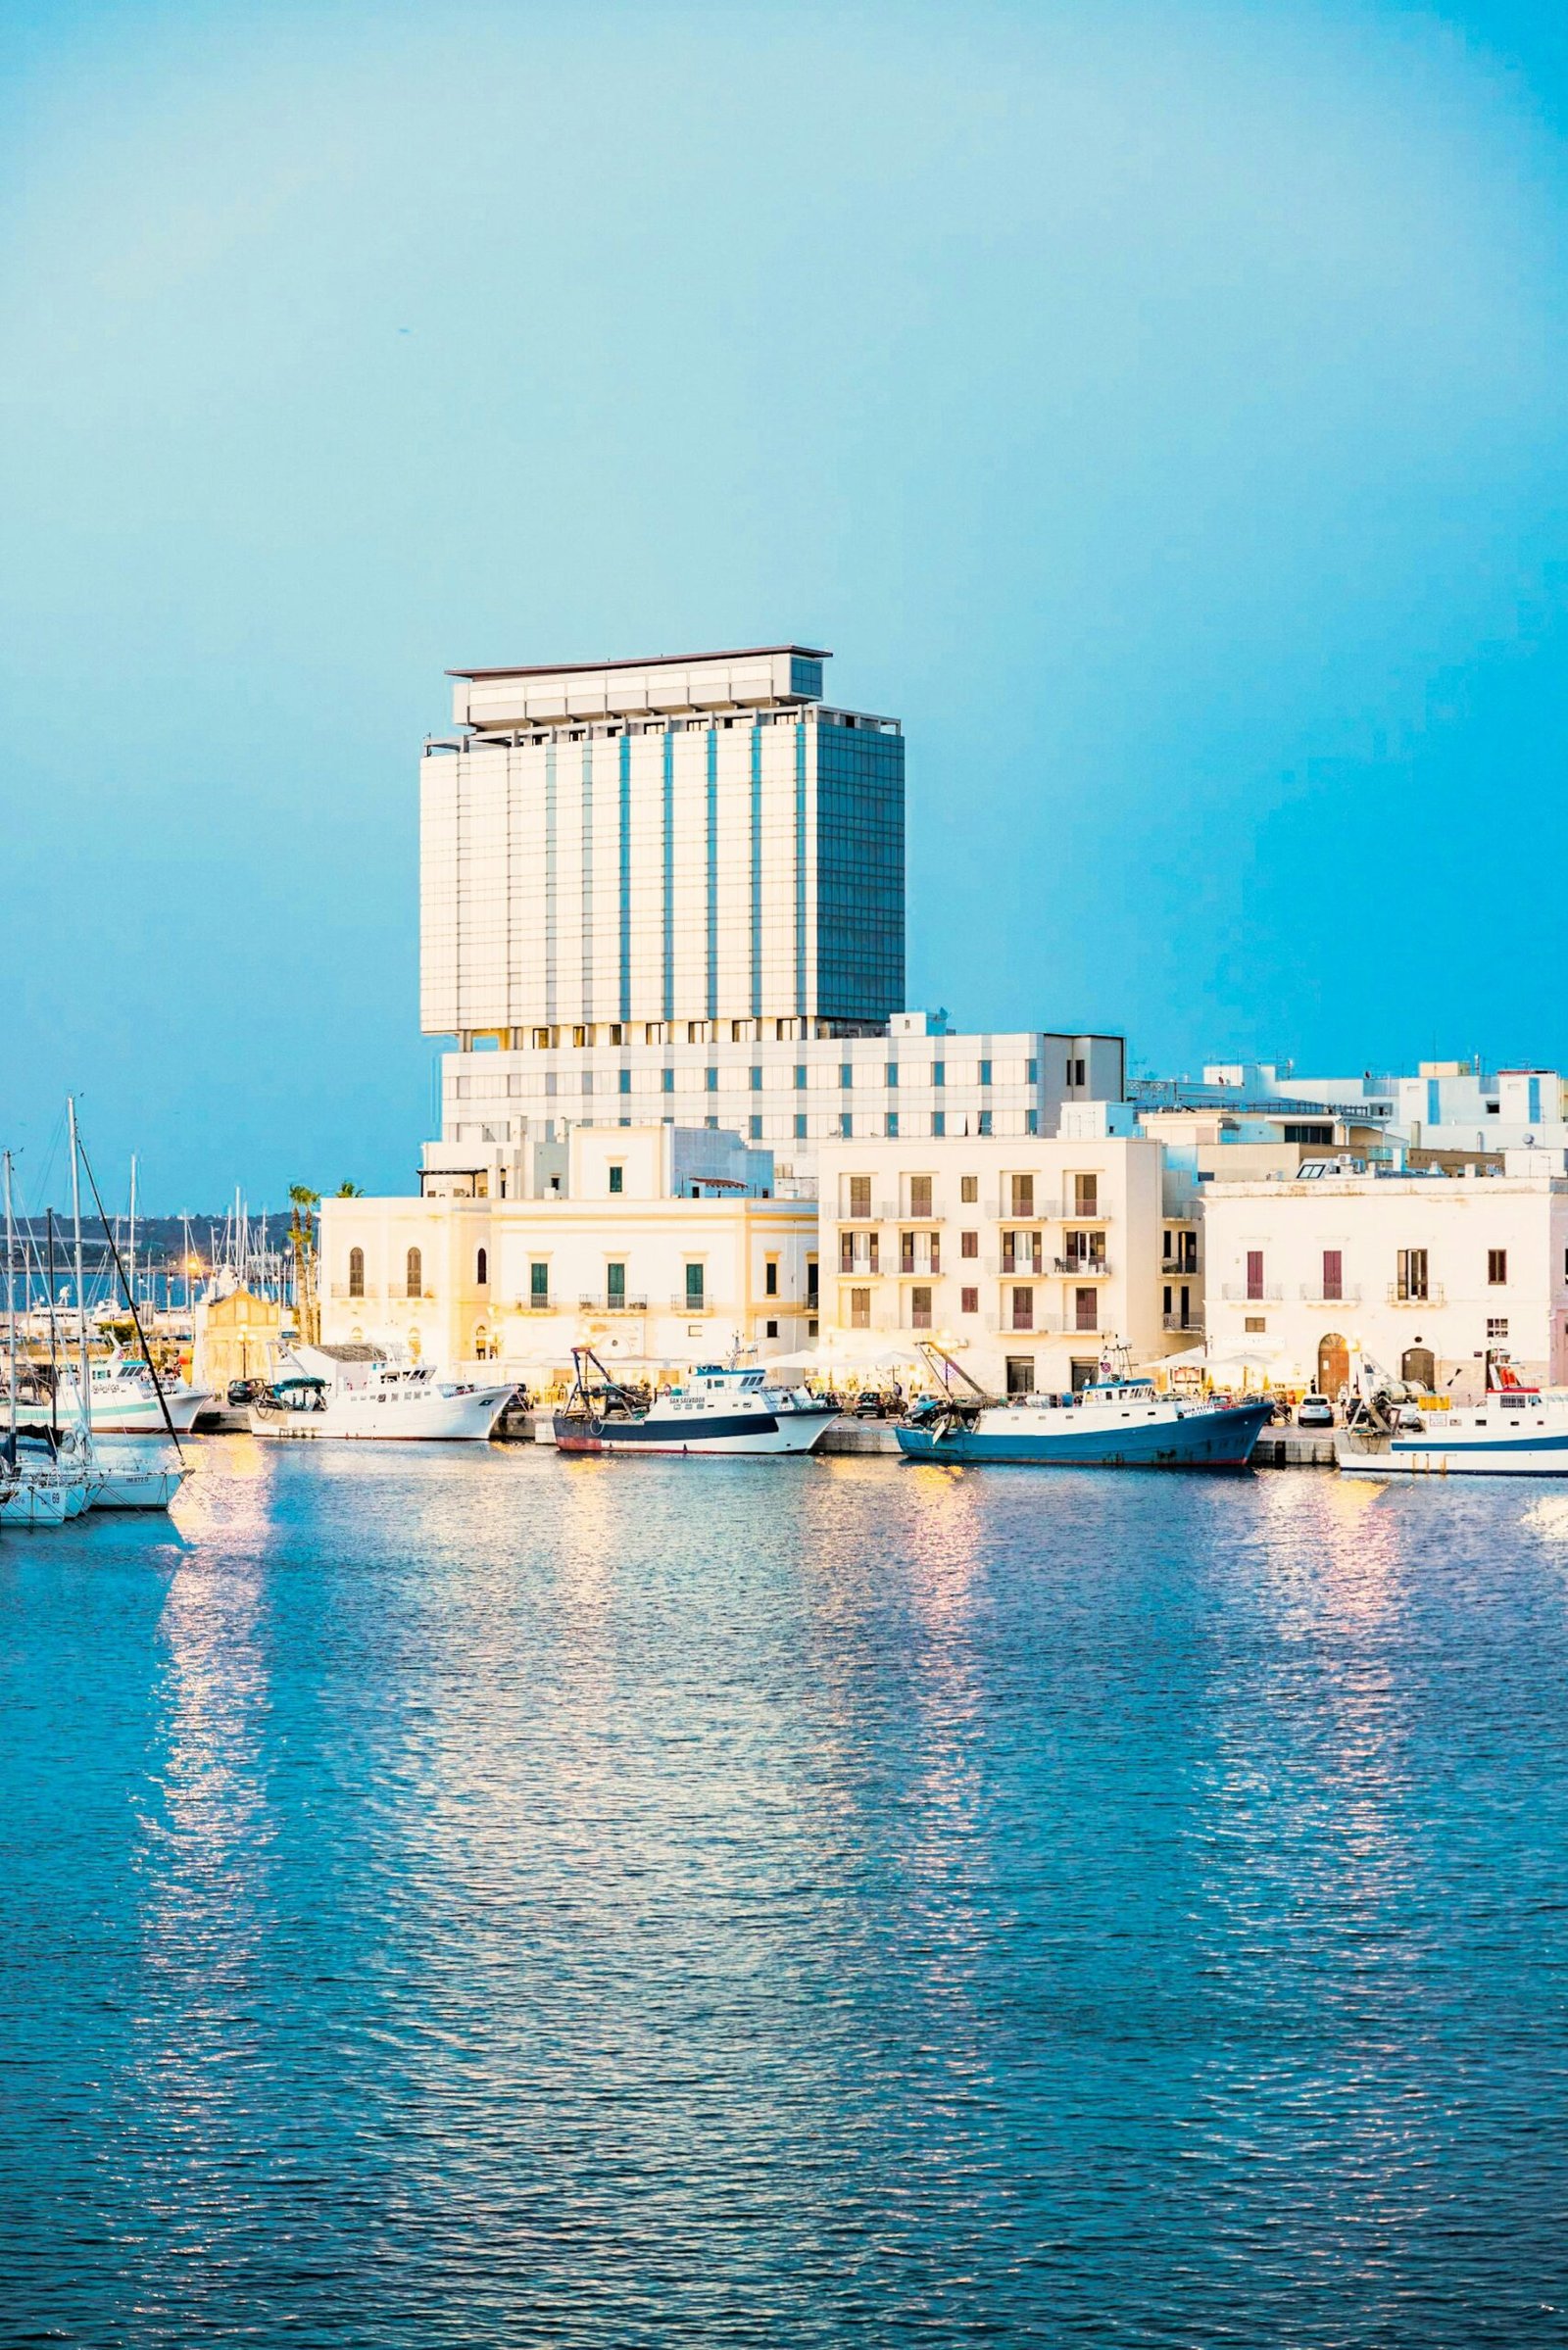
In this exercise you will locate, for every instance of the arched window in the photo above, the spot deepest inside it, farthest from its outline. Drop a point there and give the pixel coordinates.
(483, 1269)
(415, 1280)
(356, 1272)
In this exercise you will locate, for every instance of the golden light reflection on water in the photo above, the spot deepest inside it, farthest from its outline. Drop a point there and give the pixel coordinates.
(203, 1806)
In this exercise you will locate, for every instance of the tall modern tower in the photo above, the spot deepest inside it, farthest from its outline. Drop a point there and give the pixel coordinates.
(633, 847)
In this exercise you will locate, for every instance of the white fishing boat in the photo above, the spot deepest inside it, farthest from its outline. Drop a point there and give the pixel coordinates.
(715, 1408)
(357, 1395)
(123, 1399)
(1517, 1430)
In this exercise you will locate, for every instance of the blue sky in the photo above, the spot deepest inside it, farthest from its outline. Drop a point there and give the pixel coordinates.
(1159, 407)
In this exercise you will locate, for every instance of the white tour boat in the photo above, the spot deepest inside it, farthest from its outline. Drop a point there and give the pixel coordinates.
(1517, 1430)
(124, 1400)
(716, 1408)
(355, 1392)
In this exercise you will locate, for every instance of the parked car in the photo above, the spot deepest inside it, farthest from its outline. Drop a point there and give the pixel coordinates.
(244, 1391)
(1314, 1411)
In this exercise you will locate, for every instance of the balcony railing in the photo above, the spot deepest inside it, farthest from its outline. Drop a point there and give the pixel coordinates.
(1044, 1211)
(1253, 1292)
(611, 1303)
(1180, 1269)
(1402, 1292)
(366, 1289)
(1192, 1322)
(1043, 1326)
(533, 1303)
(1090, 1268)
(1314, 1292)
(693, 1305)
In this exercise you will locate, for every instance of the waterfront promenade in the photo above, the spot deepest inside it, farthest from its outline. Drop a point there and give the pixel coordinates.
(465, 1895)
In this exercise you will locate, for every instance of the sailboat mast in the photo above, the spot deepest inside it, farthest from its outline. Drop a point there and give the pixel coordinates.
(131, 1249)
(84, 1371)
(11, 1308)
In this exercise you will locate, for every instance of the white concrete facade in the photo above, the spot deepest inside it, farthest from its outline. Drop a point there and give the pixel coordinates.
(1024, 1256)
(622, 1258)
(788, 1093)
(1405, 1266)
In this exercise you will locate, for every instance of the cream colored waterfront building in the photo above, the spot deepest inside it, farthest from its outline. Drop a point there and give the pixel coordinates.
(1025, 1257)
(1423, 1271)
(652, 1244)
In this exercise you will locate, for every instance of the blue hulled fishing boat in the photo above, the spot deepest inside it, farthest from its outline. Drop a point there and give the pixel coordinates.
(1119, 1422)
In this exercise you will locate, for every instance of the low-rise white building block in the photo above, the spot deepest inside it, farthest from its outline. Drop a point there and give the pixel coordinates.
(1424, 1272)
(652, 1244)
(1024, 1256)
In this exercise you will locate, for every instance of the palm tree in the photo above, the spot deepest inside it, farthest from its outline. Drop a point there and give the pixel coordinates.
(302, 1238)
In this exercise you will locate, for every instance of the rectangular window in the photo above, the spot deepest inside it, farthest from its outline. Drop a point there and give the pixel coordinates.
(846, 1125)
(1255, 1272)
(905, 1252)
(1086, 1194)
(846, 1251)
(1333, 1274)
(694, 1289)
(1031, 1072)
(800, 1078)
(1023, 1309)
(938, 1122)
(1020, 1374)
(667, 1080)
(1022, 1191)
(846, 1074)
(1497, 1268)
(920, 1309)
(772, 1330)
(985, 1072)
(615, 1284)
(861, 1197)
(625, 1081)
(770, 1277)
(538, 1284)
(969, 1301)
(968, 1244)
(1254, 1322)
(1410, 1281)
(1496, 1327)
(799, 1126)
(1009, 1253)
(757, 1080)
(892, 1076)
(919, 1194)
(892, 1125)
(617, 1178)
(753, 1124)
(985, 1121)
(711, 1080)
(969, 1192)
(812, 1280)
(939, 1072)
(859, 1310)
(1086, 1310)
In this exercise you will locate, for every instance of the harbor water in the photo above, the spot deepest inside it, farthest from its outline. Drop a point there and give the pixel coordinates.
(460, 1895)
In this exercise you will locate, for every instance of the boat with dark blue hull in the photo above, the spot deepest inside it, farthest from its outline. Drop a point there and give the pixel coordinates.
(1117, 1423)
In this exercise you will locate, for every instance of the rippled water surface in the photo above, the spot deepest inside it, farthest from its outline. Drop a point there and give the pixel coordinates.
(463, 1896)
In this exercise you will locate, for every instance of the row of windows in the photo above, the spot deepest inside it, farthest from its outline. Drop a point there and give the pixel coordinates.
(933, 1075)
(1018, 1309)
(1412, 1281)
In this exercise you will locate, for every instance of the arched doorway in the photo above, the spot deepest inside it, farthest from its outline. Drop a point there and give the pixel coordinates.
(1333, 1365)
(1419, 1366)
